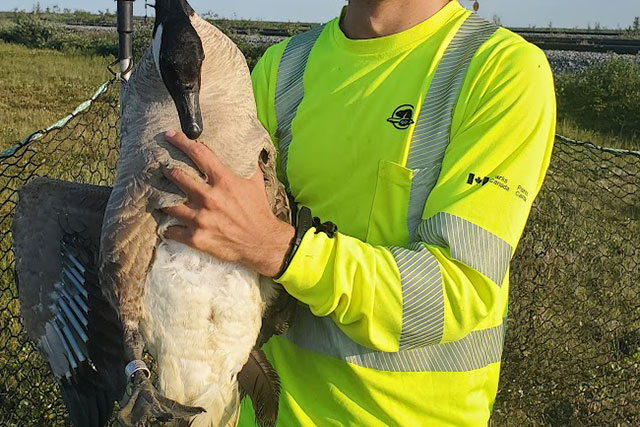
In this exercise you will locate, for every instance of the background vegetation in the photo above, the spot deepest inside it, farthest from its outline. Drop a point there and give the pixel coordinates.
(38, 87)
(603, 100)
(601, 105)
(54, 66)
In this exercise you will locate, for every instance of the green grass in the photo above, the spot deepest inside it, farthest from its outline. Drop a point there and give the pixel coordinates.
(38, 87)
(570, 129)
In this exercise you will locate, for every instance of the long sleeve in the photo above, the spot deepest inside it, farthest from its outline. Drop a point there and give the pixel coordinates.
(450, 279)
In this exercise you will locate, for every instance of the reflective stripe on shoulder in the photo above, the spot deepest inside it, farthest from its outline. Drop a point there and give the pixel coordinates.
(290, 88)
(433, 125)
(475, 351)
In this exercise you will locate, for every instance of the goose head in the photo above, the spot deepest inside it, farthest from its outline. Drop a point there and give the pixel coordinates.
(178, 55)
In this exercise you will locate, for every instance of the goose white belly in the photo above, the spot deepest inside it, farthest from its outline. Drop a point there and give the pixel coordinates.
(201, 318)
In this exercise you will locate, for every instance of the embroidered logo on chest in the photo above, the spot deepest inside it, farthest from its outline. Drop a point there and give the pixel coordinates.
(402, 117)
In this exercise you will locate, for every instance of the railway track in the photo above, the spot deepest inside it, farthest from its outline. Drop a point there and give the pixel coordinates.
(585, 44)
(575, 40)
(602, 41)
(569, 32)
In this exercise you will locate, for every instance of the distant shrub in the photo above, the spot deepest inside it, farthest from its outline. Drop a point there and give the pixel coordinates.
(141, 38)
(34, 32)
(634, 30)
(605, 98)
(30, 31)
(252, 52)
(40, 31)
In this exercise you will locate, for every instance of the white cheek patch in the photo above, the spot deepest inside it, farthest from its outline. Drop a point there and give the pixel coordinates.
(156, 46)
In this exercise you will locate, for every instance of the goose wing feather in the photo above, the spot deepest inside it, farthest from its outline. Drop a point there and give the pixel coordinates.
(56, 236)
(261, 383)
(281, 306)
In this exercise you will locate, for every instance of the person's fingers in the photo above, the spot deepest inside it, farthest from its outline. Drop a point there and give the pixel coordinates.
(183, 213)
(180, 234)
(191, 187)
(205, 159)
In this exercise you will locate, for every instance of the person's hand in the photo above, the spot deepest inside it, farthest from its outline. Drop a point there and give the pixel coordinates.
(228, 217)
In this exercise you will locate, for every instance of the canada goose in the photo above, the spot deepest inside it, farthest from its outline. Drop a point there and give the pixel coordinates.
(184, 303)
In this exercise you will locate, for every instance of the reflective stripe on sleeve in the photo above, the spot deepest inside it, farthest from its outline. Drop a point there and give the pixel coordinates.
(421, 280)
(469, 243)
(475, 351)
(422, 298)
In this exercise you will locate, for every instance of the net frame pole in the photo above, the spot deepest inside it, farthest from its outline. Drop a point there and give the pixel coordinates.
(125, 37)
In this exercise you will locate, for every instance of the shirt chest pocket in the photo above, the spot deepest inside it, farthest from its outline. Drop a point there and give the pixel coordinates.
(389, 211)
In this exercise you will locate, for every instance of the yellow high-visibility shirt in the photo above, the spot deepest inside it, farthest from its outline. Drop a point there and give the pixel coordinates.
(402, 311)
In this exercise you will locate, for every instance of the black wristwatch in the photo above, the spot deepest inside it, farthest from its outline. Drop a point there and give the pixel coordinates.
(304, 220)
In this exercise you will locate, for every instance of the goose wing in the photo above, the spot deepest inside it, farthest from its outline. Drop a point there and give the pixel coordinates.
(276, 193)
(56, 237)
(281, 307)
(260, 381)
(257, 378)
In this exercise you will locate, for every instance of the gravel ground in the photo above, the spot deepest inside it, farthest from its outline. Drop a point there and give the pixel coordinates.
(565, 61)
(256, 39)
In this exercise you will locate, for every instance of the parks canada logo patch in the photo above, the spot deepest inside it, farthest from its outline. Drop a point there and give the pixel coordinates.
(402, 117)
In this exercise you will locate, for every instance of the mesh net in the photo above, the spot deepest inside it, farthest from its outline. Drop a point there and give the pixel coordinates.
(82, 148)
(572, 354)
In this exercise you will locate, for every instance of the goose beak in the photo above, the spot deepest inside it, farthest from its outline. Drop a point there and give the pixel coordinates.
(188, 104)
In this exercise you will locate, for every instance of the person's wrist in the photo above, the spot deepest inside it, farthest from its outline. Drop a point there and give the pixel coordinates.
(277, 243)
(303, 222)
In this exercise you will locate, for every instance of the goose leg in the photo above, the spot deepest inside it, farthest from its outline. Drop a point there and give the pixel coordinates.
(145, 403)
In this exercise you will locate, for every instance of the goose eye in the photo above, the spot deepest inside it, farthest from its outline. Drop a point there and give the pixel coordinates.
(264, 156)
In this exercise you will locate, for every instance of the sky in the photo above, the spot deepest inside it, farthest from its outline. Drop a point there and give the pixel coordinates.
(514, 13)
